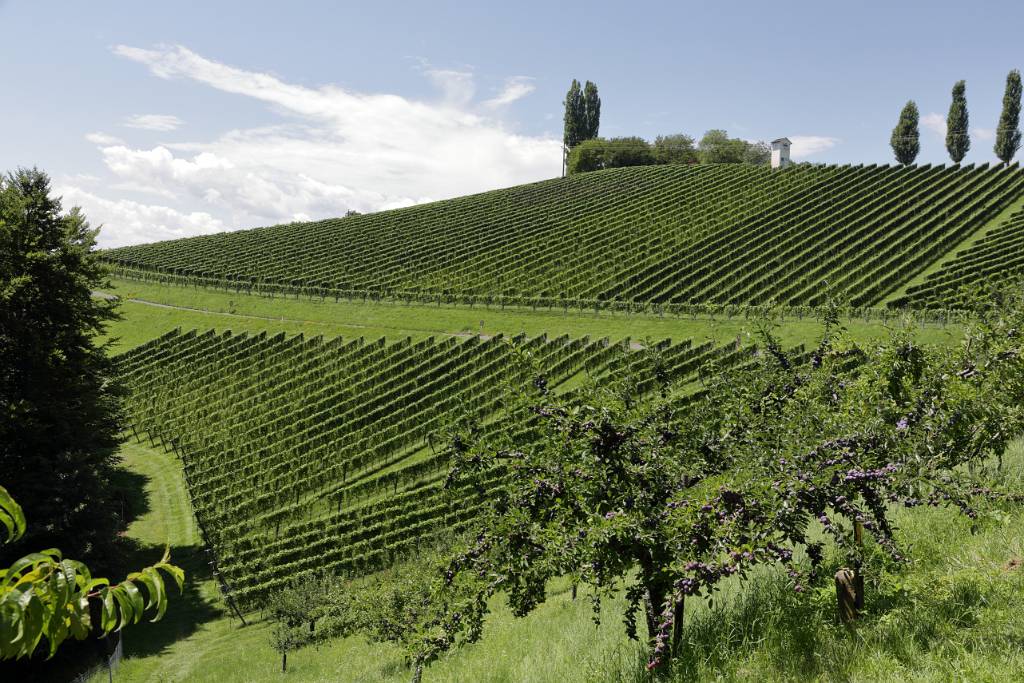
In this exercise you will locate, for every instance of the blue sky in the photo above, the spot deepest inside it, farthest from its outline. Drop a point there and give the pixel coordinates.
(184, 118)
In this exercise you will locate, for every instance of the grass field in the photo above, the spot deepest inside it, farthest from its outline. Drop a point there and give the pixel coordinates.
(150, 310)
(956, 613)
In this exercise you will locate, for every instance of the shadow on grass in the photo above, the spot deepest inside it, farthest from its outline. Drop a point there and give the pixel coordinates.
(196, 604)
(186, 611)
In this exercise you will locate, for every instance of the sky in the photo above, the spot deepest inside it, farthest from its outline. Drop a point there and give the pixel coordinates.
(164, 120)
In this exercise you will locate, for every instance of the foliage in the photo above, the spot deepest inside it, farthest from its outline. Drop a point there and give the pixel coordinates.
(587, 156)
(59, 412)
(1008, 135)
(591, 112)
(674, 149)
(716, 147)
(405, 604)
(958, 139)
(599, 153)
(668, 499)
(582, 114)
(906, 138)
(294, 610)
(572, 134)
(43, 595)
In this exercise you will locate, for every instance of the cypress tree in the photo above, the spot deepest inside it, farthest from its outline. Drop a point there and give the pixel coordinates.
(1008, 133)
(906, 138)
(957, 139)
(592, 111)
(575, 114)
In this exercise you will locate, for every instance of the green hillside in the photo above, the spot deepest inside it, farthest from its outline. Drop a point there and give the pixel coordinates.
(997, 257)
(305, 454)
(658, 235)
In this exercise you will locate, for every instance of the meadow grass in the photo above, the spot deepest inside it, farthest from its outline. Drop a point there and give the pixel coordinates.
(150, 310)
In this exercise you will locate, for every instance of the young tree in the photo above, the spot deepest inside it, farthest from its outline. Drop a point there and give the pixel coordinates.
(60, 417)
(292, 611)
(958, 140)
(592, 111)
(906, 138)
(1008, 135)
(43, 595)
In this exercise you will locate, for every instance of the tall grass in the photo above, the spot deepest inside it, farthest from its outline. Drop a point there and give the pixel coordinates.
(955, 612)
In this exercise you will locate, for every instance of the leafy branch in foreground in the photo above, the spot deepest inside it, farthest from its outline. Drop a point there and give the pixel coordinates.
(43, 595)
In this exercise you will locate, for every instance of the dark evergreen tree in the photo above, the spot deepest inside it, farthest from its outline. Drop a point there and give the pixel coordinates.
(60, 415)
(575, 116)
(906, 137)
(592, 111)
(958, 140)
(1008, 132)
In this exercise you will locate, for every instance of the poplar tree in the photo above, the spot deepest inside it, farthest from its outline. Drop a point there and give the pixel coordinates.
(957, 139)
(1008, 133)
(575, 114)
(592, 111)
(906, 138)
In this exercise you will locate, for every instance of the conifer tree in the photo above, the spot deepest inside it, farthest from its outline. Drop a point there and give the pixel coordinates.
(1008, 133)
(906, 138)
(592, 111)
(958, 140)
(60, 414)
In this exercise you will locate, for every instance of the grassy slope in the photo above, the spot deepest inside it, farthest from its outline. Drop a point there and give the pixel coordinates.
(959, 579)
(956, 614)
(241, 312)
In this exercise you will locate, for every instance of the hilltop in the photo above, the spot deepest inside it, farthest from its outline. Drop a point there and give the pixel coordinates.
(649, 237)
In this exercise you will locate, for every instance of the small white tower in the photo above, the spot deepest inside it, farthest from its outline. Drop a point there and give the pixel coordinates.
(780, 152)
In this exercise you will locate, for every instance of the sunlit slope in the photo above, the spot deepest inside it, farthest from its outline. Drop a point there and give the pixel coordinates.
(304, 455)
(996, 258)
(660, 235)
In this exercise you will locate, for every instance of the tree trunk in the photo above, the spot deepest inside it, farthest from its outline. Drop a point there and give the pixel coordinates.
(653, 604)
(284, 662)
(846, 595)
(677, 626)
(417, 672)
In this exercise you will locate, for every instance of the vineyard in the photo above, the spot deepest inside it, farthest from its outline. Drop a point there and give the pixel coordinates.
(995, 258)
(305, 454)
(649, 237)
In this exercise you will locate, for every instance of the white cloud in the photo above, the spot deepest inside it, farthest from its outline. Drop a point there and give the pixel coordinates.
(516, 87)
(136, 222)
(936, 123)
(809, 145)
(157, 122)
(988, 134)
(103, 139)
(336, 150)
